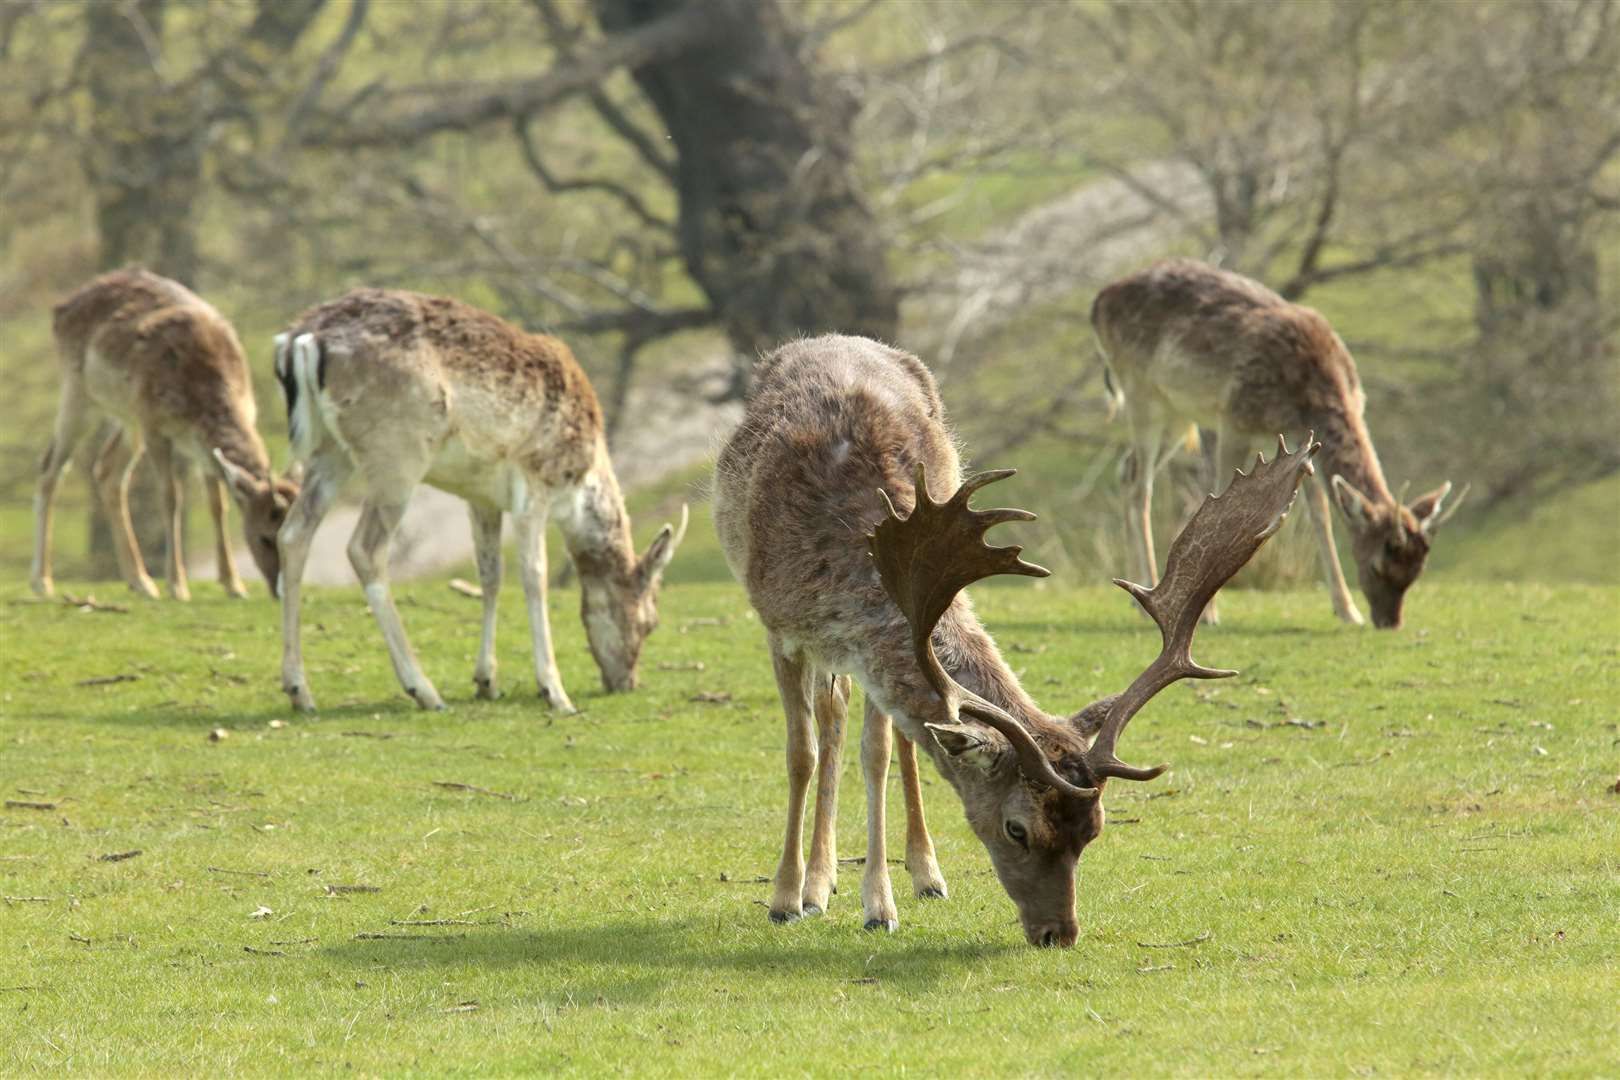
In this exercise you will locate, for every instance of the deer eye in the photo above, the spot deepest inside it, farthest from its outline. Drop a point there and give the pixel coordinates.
(1016, 833)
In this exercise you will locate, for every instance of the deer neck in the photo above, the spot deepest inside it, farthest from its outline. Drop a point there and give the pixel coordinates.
(237, 438)
(594, 523)
(969, 655)
(1347, 451)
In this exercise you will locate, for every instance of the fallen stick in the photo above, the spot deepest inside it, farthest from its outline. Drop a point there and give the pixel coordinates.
(118, 856)
(1199, 940)
(455, 785)
(108, 680)
(25, 804)
(244, 873)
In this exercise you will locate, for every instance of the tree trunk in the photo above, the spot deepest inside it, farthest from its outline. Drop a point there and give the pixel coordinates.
(772, 224)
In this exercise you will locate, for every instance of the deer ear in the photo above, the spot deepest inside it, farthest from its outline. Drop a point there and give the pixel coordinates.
(1354, 504)
(968, 744)
(243, 484)
(663, 547)
(1431, 510)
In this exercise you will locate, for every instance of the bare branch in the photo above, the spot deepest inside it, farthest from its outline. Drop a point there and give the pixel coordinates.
(463, 108)
(325, 69)
(627, 198)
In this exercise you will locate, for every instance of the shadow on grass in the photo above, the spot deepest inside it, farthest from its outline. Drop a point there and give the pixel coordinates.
(620, 955)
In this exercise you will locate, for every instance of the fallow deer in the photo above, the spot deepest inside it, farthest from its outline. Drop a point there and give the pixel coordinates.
(1186, 343)
(169, 371)
(826, 506)
(390, 389)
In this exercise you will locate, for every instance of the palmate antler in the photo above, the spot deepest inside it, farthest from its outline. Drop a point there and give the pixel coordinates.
(928, 557)
(1225, 532)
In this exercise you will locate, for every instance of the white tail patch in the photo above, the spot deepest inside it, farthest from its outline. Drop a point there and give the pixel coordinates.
(303, 417)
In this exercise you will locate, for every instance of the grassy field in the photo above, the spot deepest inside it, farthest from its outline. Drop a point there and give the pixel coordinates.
(1377, 853)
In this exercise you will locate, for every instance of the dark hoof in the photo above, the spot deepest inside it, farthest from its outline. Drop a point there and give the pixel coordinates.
(812, 909)
(889, 925)
(782, 918)
(931, 894)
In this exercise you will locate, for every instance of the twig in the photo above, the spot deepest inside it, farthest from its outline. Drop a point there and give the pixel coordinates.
(262, 952)
(466, 588)
(454, 785)
(339, 890)
(118, 856)
(367, 734)
(89, 603)
(370, 936)
(28, 899)
(244, 873)
(24, 804)
(108, 680)
(1199, 940)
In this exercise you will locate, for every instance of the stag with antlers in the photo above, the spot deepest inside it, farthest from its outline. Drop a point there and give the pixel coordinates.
(826, 511)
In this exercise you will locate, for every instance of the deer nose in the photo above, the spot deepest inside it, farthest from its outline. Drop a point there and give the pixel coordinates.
(1058, 935)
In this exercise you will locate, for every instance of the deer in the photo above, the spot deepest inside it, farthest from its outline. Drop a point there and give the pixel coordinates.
(169, 373)
(386, 389)
(1185, 343)
(842, 510)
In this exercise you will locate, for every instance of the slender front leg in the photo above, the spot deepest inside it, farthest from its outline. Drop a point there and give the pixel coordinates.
(1147, 464)
(315, 498)
(70, 418)
(793, 677)
(832, 712)
(877, 895)
(924, 868)
(531, 549)
(368, 554)
(1316, 497)
(224, 558)
(486, 529)
(114, 467)
(172, 482)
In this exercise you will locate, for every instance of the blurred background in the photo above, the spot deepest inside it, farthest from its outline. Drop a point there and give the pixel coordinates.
(675, 185)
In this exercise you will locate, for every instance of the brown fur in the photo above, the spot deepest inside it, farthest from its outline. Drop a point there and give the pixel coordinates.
(170, 369)
(832, 420)
(1188, 342)
(413, 388)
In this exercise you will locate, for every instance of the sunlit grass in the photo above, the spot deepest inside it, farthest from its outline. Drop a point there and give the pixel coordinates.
(1395, 853)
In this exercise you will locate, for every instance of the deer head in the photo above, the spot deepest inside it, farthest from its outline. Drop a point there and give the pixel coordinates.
(620, 607)
(1032, 786)
(264, 504)
(1391, 542)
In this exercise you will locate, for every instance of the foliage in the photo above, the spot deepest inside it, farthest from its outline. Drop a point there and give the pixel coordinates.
(1377, 853)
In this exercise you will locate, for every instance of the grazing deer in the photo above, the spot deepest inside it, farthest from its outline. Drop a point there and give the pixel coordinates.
(827, 516)
(1186, 343)
(390, 389)
(168, 370)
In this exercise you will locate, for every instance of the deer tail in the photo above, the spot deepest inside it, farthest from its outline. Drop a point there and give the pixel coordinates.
(301, 370)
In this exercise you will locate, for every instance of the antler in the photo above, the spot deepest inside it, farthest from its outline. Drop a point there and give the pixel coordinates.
(928, 557)
(1225, 532)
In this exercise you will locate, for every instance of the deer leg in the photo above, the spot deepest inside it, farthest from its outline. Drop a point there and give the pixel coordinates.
(1148, 459)
(793, 676)
(832, 713)
(322, 482)
(531, 547)
(71, 413)
(486, 530)
(926, 879)
(368, 554)
(877, 895)
(1316, 497)
(172, 481)
(224, 558)
(114, 467)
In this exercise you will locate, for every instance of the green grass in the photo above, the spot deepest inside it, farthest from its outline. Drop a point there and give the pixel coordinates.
(1422, 880)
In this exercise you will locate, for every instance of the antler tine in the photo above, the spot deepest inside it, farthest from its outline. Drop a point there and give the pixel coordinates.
(924, 560)
(1221, 537)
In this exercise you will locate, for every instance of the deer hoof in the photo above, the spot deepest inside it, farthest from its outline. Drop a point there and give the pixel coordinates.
(302, 700)
(236, 590)
(812, 909)
(43, 587)
(486, 689)
(144, 587)
(781, 916)
(931, 892)
(886, 925)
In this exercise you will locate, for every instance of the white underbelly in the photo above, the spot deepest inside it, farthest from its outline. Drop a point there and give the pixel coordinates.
(462, 470)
